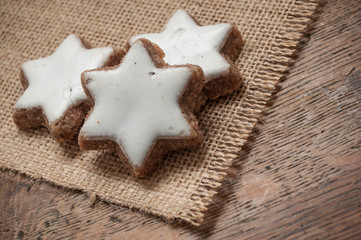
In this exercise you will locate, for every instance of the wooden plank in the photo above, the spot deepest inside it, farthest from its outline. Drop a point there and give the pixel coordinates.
(299, 176)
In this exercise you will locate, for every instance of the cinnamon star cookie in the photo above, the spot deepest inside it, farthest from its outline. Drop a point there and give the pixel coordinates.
(213, 48)
(142, 108)
(53, 95)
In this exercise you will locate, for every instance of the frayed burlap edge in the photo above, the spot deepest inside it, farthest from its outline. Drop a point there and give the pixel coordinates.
(287, 43)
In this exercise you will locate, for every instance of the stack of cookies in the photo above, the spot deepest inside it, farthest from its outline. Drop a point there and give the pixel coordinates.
(139, 102)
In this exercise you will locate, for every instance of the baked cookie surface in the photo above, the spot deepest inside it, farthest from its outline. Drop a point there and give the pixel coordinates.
(142, 108)
(53, 95)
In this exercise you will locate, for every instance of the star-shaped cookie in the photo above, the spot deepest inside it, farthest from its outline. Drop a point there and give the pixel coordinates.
(142, 108)
(53, 95)
(210, 47)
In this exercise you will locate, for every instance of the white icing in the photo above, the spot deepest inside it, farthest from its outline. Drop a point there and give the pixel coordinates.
(136, 103)
(185, 42)
(54, 81)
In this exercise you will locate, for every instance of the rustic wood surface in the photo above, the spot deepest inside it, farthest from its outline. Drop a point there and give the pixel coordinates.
(298, 177)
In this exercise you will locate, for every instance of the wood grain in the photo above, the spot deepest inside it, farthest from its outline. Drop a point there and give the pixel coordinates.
(299, 177)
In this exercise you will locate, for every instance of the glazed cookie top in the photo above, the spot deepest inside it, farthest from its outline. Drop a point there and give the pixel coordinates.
(54, 82)
(185, 42)
(136, 103)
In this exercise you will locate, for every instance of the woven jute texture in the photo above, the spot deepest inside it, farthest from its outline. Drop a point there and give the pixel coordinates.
(183, 185)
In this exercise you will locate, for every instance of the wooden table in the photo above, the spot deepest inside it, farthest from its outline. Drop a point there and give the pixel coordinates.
(299, 175)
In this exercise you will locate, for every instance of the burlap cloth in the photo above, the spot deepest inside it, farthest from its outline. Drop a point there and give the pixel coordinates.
(184, 183)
